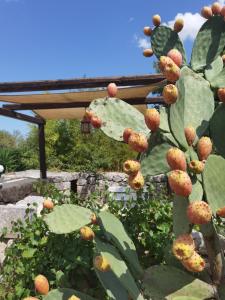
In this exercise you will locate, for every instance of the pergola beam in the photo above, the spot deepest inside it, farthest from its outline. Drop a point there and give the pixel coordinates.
(22, 117)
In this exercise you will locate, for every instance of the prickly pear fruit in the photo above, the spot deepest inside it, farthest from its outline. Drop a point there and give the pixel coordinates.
(204, 147)
(180, 183)
(48, 204)
(176, 57)
(170, 93)
(195, 263)
(138, 142)
(196, 166)
(88, 114)
(131, 167)
(176, 159)
(221, 94)
(223, 56)
(190, 135)
(199, 212)
(172, 72)
(101, 264)
(87, 233)
(178, 25)
(206, 12)
(74, 298)
(223, 11)
(112, 89)
(94, 219)
(30, 298)
(136, 181)
(147, 31)
(152, 119)
(156, 20)
(96, 122)
(148, 52)
(163, 61)
(216, 8)
(126, 134)
(221, 212)
(183, 247)
(41, 284)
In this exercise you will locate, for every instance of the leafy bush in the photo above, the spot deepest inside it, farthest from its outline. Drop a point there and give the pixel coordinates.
(11, 159)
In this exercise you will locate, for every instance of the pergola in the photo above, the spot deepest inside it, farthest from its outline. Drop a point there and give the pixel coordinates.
(71, 104)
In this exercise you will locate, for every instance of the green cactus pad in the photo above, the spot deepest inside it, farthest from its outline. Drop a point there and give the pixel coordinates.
(167, 282)
(115, 232)
(217, 129)
(194, 107)
(197, 191)
(164, 120)
(181, 223)
(67, 218)
(117, 115)
(214, 69)
(209, 43)
(163, 39)
(62, 294)
(213, 180)
(119, 268)
(218, 81)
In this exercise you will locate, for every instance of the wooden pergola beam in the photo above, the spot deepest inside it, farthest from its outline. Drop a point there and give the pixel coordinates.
(77, 83)
(22, 117)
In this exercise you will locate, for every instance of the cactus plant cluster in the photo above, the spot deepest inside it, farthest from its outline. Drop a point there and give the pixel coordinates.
(185, 140)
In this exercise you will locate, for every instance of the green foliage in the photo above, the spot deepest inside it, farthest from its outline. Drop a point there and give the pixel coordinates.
(11, 159)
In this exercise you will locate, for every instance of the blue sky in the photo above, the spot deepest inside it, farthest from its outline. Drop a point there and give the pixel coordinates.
(56, 39)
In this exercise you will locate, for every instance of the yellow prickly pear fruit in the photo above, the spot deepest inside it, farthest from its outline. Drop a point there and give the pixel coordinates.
(172, 72)
(101, 264)
(204, 147)
(163, 61)
(221, 212)
(206, 12)
(148, 52)
(199, 212)
(147, 31)
(195, 263)
(190, 135)
(156, 20)
(136, 181)
(30, 298)
(170, 93)
(41, 284)
(180, 183)
(94, 219)
(152, 119)
(74, 298)
(131, 167)
(87, 233)
(196, 166)
(178, 25)
(176, 159)
(183, 247)
(138, 142)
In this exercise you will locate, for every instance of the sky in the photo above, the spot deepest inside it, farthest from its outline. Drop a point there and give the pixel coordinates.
(60, 39)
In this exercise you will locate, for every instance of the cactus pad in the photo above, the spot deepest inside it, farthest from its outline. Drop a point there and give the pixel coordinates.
(214, 69)
(62, 294)
(117, 115)
(180, 221)
(217, 128)
(197, 191)
(219, 80)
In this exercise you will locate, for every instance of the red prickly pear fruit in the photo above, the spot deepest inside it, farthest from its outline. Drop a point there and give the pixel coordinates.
(180, 183)
(87, 233)
(152, 119)
(172, 72)
(199, 212)
(147, 31)
(204, 147)
(156, 20)
(138, 142)
(221, 94)
(183, 247)
(176, 159)
(196, 166)
(101, 264)
(190, 135)
(170, 93)
(136, 181)
(88, 114)
(163, 61)
(41, 284)
(96, 122)
(195, 263)
(216, 8)
(131, 167)
(126, 134)
(48, 204)
(112, 89)
(223, 11)
(221, 212)
(178, 25)
(206, 12)
(148, 52)
(176, 57)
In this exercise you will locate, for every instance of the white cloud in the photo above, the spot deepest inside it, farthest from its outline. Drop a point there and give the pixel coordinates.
(142, 43)
(222, 2)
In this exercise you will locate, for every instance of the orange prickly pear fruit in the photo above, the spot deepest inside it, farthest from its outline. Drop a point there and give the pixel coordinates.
(152, 119)
(180, 183)
(221, 212)
(163, 61)
(190, 135)
(199, 212)
(206, 12)
(94, 219)
(170, 93)
(41, 284)
(156, 20)
(101, 264)
(88, 114)
(176, 57)
(74, 298)
(216, 8)
(196, 166)
(147, 31)
(96, 122)
(87, 233)
(131, 167)
(112, 89)
(148, 52)
(176, 159)
(221, 93)
(48, 204)
(178, 25)
(204, 147)
(183, 247)
(223, 11)
(126, 134)
(172, 72)
(138, 142)
(195, 263)
(136, 181)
